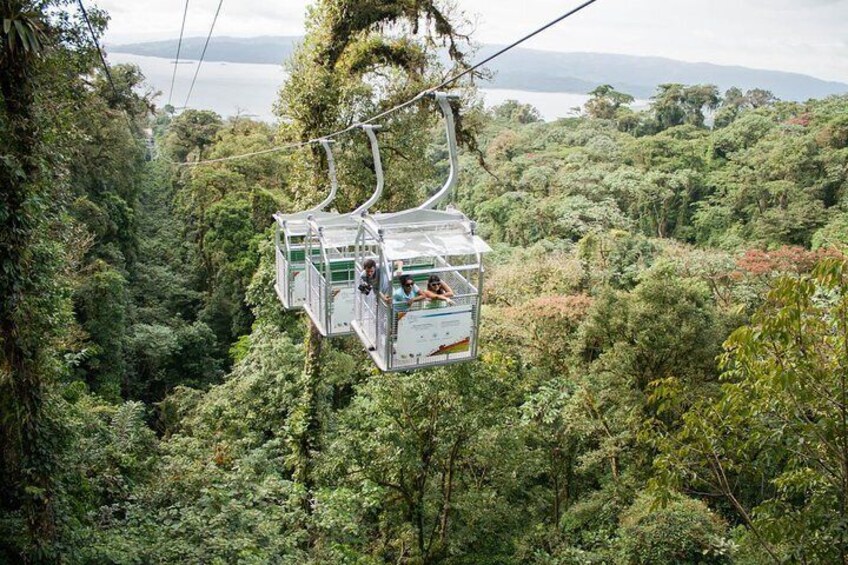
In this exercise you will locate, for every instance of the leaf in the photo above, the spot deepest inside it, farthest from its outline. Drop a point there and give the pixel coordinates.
(22, 34)
(11, 40)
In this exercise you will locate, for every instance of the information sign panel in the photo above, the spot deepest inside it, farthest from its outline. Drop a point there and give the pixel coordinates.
(431, 332)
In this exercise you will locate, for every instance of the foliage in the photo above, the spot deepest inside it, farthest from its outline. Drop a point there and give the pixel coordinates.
(191, 133)
(158, 405)
(605, 102)
(681, 531)
(777, 421)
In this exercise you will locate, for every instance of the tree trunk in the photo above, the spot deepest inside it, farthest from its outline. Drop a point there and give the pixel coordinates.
(308, 442)
(25, 469)
(312, 377)
(447, 487)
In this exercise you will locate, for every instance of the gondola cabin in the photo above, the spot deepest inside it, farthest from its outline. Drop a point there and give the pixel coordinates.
(400, 336)
(289, 238)
(290, 247)
(330, 275)
(330, 252)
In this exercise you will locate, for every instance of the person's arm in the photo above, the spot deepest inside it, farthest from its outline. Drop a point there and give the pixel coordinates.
(419, 296)
(448, 291)
(430, 294)
(445, 296)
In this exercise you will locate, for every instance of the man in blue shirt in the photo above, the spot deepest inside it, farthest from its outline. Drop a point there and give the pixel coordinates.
(407, 294)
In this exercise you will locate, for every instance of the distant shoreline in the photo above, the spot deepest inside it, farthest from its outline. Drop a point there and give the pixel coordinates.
(251, 89)
(531, 70)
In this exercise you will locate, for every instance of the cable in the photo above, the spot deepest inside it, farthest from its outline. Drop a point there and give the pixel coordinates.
(177, 60)
(99, 50)
(409, 102)
(203, 53)
(252, 154)
(103, 61)
(374, 118)
(513, 44)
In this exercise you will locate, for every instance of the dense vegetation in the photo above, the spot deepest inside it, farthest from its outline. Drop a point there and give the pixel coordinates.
(665, 336)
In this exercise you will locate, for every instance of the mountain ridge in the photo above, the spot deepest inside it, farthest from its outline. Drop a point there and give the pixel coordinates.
(535, 70)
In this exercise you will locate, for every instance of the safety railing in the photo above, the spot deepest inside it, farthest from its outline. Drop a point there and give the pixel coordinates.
(316, 290)
(282, 282)
(366, 316)
(397, 359)
(401, 346)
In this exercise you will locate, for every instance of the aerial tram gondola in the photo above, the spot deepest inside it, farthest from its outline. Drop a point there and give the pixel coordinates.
(399, 336)
(330, 246)
(290, 246)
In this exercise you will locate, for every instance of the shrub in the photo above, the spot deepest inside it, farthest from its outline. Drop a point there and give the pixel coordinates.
(682, 531)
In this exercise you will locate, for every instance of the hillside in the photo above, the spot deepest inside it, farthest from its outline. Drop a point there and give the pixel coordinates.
(537, 71)
(651, 371)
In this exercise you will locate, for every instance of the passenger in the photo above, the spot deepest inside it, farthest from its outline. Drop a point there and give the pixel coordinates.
(407, 295)
(438, 292)
(371, 278)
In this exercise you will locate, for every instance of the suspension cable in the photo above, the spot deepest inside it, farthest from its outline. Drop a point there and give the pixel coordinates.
(203, 53)
(177, 60)
(105, 65)
(402, 105)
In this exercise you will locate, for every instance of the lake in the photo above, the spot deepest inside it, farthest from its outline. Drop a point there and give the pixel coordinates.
(247, 89)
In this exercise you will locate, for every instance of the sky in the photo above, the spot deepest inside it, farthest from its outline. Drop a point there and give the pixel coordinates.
(805, 36)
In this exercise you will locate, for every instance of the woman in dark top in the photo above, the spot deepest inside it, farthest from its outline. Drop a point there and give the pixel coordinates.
(438, 292)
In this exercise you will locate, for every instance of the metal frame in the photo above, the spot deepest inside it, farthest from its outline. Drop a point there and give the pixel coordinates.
(291, 231)
(443, 100)
(288, 240)
(325, 286)
(376, 319)
(326, 297)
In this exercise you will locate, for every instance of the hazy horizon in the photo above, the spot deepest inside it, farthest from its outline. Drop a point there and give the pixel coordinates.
(782, 35)
(117, 45)
(250, 89)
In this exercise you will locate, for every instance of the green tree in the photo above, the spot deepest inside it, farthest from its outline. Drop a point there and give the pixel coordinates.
(605, 102)
(675, 104)
(681, 531)
(191, 133)
(413, 448)
(101, 304)
(772, 444)
(735, 103)
(27, 485)
(514, 111)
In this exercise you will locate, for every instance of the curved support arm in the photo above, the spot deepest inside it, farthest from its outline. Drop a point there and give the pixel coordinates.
(331, 165)
(450, 130)
(378, 169)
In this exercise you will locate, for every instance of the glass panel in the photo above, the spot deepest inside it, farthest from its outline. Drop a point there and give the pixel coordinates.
(316, 307)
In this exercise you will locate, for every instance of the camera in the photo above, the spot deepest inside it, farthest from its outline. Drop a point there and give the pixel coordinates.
(364, 288)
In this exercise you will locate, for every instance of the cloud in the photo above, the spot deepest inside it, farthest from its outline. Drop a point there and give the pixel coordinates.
(798, 4)
(794, 35)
